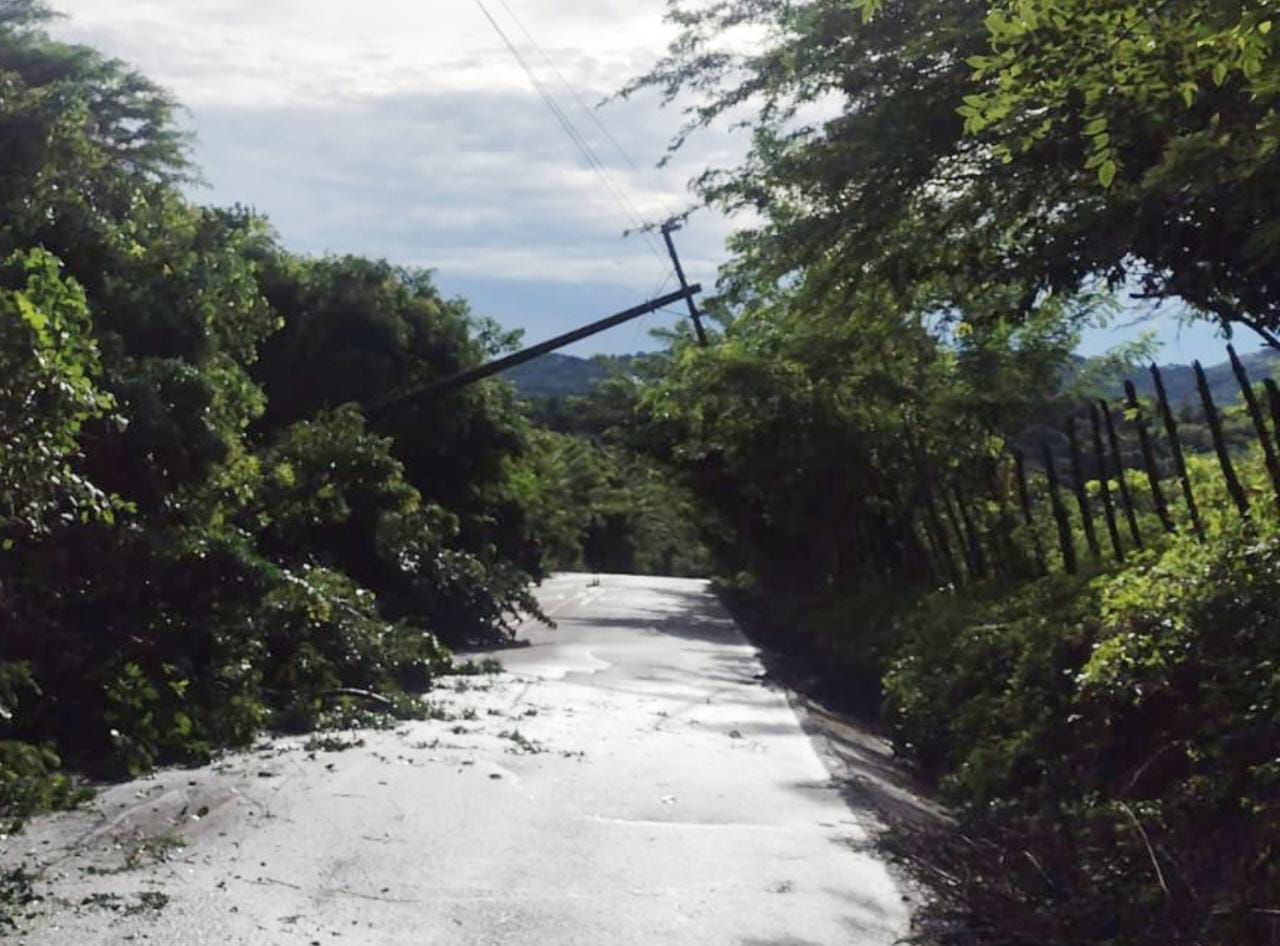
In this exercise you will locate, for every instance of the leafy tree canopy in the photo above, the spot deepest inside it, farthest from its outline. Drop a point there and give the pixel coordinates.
(944, 150)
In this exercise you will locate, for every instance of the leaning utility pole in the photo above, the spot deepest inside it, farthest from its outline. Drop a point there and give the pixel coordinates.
(667, 229)
(464, 378)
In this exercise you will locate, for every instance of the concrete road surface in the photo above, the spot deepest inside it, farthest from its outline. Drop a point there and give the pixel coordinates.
(628, 780)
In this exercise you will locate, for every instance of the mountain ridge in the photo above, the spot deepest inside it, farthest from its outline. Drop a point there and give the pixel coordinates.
(557, 375)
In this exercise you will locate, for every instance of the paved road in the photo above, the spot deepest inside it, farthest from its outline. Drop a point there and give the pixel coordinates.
(627, 780)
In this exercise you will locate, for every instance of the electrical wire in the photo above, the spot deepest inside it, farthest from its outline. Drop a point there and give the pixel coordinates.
(591, 112)
(570, 129)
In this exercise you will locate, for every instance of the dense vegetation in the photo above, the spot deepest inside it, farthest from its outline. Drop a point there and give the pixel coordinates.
(207, 523)
(944, 195)
(199, 539)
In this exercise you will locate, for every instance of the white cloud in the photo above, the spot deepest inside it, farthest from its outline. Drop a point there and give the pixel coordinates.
(247, 52)
(404, 128)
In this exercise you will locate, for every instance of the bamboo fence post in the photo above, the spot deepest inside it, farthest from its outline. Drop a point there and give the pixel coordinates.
(1108, 507)
(1220, 442)
(1126, 498)
(933, 554)
(1024, 499)
(1175, 447)
(940, 533)
(1006, 522)
(966, 553)
(925, 469)
(971, 533)
(1149, 458)
(900, 516)
(1065, 539)
(1259, 424)
(1273, 402)
(1082, 495)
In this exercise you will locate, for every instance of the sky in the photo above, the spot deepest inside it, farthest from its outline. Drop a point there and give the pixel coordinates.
(405, 129)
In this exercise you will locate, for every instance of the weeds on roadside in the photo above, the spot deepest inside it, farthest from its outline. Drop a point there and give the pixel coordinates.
(17, 894)
(521, 744)
(488, 666)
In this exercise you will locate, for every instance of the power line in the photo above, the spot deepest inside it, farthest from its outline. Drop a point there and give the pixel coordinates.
(571, 130)
(595, 119)
(591, 112)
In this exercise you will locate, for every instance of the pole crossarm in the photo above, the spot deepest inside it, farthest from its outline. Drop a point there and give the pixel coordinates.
(464, 378)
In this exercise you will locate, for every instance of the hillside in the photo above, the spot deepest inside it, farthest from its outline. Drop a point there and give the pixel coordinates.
(1180, 380)
(564, 375)
(569, 376)
(557, 376)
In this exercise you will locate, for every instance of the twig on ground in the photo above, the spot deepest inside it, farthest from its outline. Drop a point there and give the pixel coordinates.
(360, 695)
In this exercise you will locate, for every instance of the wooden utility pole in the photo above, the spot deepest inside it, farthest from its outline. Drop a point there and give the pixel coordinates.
(669, 228)
(464, 378)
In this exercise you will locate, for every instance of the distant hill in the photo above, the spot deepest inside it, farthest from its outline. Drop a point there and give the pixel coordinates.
(557, 375)
(563, 375)
(1180, 380)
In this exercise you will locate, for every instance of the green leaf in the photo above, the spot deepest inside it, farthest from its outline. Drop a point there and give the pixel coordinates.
(1107, 173)
(31, 315)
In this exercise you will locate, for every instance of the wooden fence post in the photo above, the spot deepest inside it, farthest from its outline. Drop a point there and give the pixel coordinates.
(940, 532)
(1255, 414)
(997, 554)
(966, 553)
(1082, 494)
(1065, 539)
(1108, 507)
(1024, 498)
(1126, 498)
(1149, 458)
(970, 533)
(1175, 447)
(1273, 402)
(933, 552)
(1220, 442)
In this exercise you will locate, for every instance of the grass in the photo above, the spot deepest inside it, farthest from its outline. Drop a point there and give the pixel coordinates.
(17, 894)
(332, 742)
(485, 667)
(522, 743)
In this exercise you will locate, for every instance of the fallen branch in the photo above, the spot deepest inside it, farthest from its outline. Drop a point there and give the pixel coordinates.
(360, 695)
(1150, 850)
(327, 891)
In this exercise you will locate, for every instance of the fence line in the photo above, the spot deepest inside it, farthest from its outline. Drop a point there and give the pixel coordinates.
(949, 514)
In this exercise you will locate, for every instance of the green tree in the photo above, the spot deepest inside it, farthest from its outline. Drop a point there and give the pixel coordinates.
(48, 368)
(262, 552)
(951, 151)
(1157, 128)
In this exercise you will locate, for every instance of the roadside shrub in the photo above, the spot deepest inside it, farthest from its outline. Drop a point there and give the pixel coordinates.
(197, 537)
(31, 780)
(49, 367)
(1118, 733)
(324, 634)
(980, 680)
